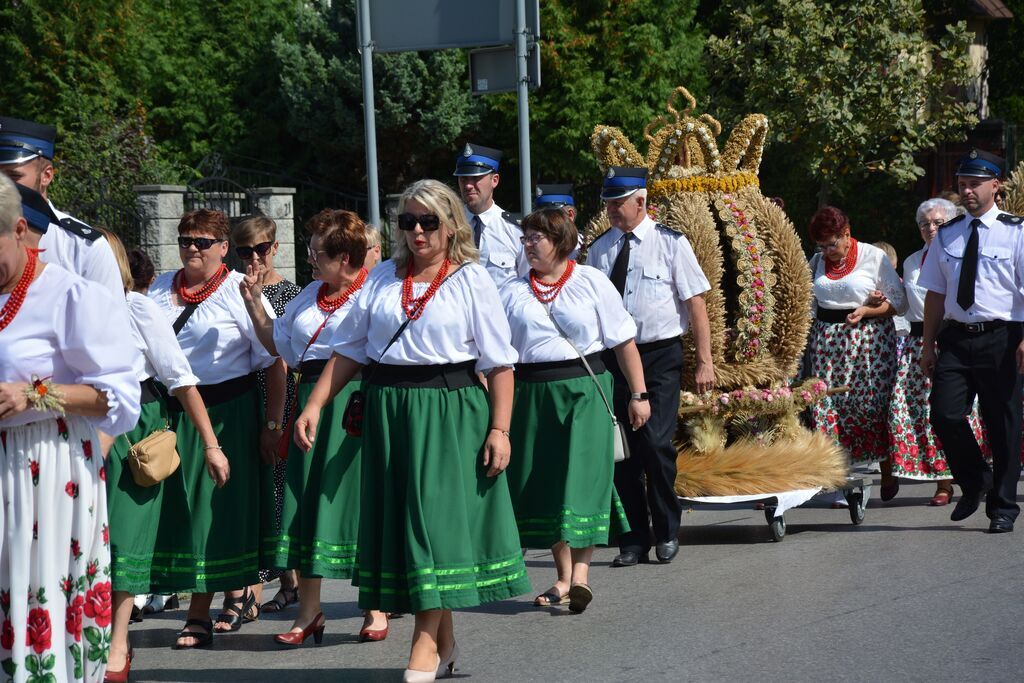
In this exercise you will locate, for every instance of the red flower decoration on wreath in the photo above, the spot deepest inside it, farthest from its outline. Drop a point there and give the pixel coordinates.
(97, 604)
(71, 488)
(73, 618)
(38, 634)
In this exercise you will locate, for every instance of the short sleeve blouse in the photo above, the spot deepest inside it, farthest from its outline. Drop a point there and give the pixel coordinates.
(302, 318)
(160, 354)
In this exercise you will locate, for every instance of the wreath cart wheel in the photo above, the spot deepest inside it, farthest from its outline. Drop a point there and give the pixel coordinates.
(777, 527)
(856, 502)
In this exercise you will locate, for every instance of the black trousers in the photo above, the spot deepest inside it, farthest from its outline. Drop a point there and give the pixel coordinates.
(982, 365)
(652, 458)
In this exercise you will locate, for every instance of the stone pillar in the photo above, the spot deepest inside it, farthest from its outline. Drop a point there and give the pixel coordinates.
(160, 209)
(278, 203)
(390, 220)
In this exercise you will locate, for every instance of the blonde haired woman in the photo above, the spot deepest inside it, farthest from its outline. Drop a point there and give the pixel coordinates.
(436, 528)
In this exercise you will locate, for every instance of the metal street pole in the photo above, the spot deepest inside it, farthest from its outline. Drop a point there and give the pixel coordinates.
(369, 113)
(522, 97)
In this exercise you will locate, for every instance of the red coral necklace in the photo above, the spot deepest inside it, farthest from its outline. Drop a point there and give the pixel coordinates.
(413, 307)
(329, 306)
(20, 291)
(845, 266)
(204, 292)
(547, 291)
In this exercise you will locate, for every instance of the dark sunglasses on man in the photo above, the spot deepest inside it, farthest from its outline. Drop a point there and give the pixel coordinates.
(428, 221)
(263, 248)
(200, 243)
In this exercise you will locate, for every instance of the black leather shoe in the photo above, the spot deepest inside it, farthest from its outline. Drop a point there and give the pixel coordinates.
(1000, 524)
(666, 551)
(965, 507)
(629, 558)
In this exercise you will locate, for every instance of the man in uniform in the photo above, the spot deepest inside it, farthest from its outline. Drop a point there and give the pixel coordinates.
(974, 274)
(495, 231)
(556, 196)
(662, 287)
(26, 156)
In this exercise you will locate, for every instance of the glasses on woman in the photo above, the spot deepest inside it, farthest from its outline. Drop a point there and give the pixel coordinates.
(933, 223)
(532, 238)
(263, 248)
(428, 221)
(314, 254)
(830, 245)
(200, 243)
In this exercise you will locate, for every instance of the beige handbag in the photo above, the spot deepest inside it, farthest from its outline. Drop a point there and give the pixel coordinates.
(154, 458)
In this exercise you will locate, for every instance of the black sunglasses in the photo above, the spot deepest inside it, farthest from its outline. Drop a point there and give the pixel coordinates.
(245, 253)
(201, 243)
(428, 221)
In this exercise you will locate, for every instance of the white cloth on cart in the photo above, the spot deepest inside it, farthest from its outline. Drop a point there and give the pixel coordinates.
(786, 499)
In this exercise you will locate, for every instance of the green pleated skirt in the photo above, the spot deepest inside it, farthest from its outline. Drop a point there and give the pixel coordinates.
(563, 464)
(208, 538)
(435, 532)
(320, 513)
(133, 510)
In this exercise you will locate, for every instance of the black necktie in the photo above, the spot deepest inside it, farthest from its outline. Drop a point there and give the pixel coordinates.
(969, 269)
(621, 266)
(478, 229)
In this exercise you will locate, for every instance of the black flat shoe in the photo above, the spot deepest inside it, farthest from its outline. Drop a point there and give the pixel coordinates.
(1000, 524)
(666, 552)
(629, 558)
(965, 507)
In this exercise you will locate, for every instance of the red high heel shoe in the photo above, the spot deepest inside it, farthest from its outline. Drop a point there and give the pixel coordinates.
(366, 635)
(122, 675)
(315, 629)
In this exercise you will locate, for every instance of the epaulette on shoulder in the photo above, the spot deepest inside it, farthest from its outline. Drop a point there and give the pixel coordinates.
(950, 222)
(1010, 219)
(80, 229)
(510, 219)
(597, 237)
(674, 231)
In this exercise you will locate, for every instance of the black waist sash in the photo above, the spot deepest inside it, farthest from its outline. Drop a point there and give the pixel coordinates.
(553, 371)
(452, 376)
(222, 392)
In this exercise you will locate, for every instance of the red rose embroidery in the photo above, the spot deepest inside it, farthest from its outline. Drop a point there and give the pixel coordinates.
(7, 635)
(73, 620)
(62, 428)
(38, 634)
(97, 604)
(103, 474)
(940, 466)
(71, 488)
(106, 535)
(92, 569)
(87, 448)
(33, 467)
(76, 548)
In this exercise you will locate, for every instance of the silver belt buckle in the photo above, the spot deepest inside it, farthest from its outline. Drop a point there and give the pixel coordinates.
(975, 327)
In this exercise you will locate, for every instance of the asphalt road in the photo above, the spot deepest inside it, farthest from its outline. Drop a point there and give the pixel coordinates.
(907, 595)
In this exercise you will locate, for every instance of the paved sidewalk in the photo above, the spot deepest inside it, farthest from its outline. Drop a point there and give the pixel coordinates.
(907, 596)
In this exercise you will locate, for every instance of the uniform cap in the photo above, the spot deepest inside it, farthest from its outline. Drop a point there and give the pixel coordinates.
(553, 196)
(981, 164)
(22, 141)
(36, 209)
(622, 181)
(476, 160)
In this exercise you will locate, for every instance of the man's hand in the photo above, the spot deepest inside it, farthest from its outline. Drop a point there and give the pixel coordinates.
(928, 357)
(705, 376)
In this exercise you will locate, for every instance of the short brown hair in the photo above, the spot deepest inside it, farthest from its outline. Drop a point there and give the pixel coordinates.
(205, 220)
(828, 222)
(251, 227)
(341, 232)
(554, 223)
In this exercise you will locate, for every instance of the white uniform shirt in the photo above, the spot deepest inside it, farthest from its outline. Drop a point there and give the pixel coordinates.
(588, 309)
(464, 321)
(94, 260)
(219, 339)
(872, 271)
(915, 292)
(301, 319)
(68, 331)
(501, 252)
(663, 273)
(160, 354)
(997, 290)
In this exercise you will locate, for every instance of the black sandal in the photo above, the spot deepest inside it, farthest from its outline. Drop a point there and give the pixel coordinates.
(202, 639)
(239, 611)
(284, 597)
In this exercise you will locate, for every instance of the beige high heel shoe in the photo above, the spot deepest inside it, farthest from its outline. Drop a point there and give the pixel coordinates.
(417, 676)
(446, 667)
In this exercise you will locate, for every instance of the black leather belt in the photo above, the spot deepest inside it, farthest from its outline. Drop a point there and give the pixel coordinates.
(978, 328)
(149, 391)
(453, 376)
(916, 329)
(552, 371)
(310, 371)
(833, 315)
(656, 345)
(222, 392)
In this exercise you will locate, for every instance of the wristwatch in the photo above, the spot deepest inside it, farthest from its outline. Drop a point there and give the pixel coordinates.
(274, 426)
(639, 396)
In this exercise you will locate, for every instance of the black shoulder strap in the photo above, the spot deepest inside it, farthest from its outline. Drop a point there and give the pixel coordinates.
(1010, 219)
(179, 324)
(79, 228)
(509, 218)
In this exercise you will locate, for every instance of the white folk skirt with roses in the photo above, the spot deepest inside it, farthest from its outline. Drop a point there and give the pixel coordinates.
(54, 559)
(861, 357)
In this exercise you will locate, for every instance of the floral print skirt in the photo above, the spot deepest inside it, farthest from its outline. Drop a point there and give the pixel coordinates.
(862, 358)
(54, 559)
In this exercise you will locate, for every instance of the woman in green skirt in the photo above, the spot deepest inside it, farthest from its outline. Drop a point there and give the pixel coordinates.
(562, 469)
(208, 540)
(436, 528)
(320, 507)
(134, 511)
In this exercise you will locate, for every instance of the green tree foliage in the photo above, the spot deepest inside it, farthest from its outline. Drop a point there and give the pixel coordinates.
(852, 89)
(422, 100)
(1005, 65)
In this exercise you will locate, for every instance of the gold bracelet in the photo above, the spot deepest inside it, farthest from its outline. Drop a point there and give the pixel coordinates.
(43, 396)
